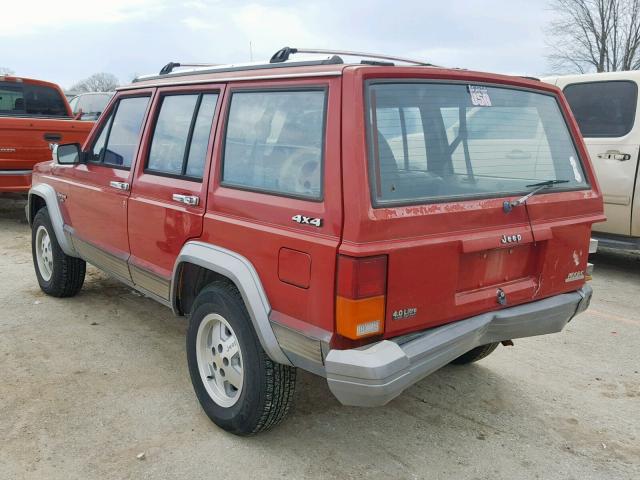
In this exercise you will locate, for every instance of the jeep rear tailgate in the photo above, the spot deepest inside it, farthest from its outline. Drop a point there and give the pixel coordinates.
(448, 160)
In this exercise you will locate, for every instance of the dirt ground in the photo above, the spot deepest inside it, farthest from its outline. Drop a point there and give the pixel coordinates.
(87, 384)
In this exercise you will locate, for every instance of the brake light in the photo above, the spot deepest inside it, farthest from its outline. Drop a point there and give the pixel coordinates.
(361, 289)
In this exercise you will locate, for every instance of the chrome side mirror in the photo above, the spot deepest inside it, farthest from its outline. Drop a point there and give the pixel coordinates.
(67, 154)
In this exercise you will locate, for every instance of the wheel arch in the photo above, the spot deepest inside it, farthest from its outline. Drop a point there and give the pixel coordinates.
(229, 265)
(42, 195)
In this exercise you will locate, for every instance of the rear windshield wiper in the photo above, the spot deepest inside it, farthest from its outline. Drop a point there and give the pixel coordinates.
(537, 187)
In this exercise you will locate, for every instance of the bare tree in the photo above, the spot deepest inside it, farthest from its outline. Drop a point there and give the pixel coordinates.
(600, 35)
(6, 71)
(98, 82)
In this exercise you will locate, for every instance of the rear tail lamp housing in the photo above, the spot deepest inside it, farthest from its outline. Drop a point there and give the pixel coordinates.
(361, 296)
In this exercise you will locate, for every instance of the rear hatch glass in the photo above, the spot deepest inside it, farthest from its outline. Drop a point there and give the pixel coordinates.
(434, 142)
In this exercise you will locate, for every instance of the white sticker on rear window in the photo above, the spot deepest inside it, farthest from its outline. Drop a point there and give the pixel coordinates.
(576, 170)
(479, 96)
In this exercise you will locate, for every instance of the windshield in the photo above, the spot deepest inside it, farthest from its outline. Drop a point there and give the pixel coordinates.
(90, 103)
(442, 142)
(27, 99)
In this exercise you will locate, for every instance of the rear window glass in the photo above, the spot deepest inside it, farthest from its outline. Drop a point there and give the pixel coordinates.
(439, 142)
(274, 142)
(26, 99)
(603, 109)
(181, 135)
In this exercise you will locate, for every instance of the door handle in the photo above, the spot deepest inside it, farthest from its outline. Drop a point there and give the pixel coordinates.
(190, 200)
(52, 137)
(119, 185)
(614, 155)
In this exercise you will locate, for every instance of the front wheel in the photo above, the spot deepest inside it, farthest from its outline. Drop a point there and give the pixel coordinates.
(239, 387)
(59, 275)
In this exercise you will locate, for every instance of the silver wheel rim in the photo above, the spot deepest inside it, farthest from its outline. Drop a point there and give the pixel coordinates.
(44, 254)
(219, 360)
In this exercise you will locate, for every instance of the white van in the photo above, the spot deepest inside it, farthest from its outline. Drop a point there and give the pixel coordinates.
(606, 108)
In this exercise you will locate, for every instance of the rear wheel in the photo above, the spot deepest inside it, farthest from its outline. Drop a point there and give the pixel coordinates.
(59, 275)
(476, 354)
(239, 387)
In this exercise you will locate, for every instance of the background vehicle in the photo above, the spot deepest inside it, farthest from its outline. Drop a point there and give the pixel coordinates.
(267, 204)
(90, 105)
(33, 115)
(605, 106)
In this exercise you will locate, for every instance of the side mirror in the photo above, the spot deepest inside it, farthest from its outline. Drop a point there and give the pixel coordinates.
(68, 154)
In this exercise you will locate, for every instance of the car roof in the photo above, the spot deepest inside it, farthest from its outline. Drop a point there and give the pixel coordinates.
(593, 77)
(205, 76)
(31, 81)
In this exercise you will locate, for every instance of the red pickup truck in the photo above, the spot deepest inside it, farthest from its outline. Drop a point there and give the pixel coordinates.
(33, 115)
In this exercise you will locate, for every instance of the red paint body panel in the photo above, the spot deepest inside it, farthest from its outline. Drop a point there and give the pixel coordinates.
(294, 267)
(23, 143)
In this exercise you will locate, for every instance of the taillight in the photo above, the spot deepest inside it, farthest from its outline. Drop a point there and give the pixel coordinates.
(361, 290)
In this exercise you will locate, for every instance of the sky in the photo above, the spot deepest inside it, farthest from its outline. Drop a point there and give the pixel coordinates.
(68, 40)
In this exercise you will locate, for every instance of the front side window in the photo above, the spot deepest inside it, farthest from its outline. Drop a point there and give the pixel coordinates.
(274, 142)
(181, 134)
(27, 99)
(438, 142)
(603, 109)
(120, 133)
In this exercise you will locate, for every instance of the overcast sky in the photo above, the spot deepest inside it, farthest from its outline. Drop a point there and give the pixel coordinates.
(67, 40)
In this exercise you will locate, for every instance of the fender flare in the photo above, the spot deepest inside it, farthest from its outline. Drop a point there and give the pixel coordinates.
(241, 272)
(48, 194)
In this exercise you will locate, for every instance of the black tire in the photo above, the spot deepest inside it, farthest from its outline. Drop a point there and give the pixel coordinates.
(268, 387)
(68, 273)
(476, 354)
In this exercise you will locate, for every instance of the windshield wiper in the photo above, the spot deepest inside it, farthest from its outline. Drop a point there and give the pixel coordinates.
(507, 206)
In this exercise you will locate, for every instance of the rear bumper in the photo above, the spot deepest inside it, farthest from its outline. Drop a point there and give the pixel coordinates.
(374, 375)
(15, 180)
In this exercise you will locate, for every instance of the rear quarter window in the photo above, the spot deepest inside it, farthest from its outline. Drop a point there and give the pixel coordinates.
(603, 109)
(274, 142)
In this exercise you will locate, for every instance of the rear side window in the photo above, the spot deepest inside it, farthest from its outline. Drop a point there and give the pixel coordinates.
(445, 142)
(181, 135)
(118, 139)
(27, 99)
(274, 142)
(603, 109)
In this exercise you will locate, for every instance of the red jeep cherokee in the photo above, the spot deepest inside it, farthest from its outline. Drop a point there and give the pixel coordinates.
(366, 222)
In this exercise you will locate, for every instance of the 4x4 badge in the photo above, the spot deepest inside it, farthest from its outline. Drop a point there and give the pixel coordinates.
(316, 222)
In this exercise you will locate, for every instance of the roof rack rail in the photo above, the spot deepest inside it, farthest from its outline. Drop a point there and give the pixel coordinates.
(283, 55)
(168, 68)
(279, 59)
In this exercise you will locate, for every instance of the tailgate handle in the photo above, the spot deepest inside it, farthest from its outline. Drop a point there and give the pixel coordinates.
(52, 137)
(493, 240)
(614, 155)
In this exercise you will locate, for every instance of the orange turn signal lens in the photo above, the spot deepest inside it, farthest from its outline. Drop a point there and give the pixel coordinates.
(362, 318)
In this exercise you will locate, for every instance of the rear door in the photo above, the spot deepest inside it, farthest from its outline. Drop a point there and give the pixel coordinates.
(606, 114)
(168, 197)
(437, 205)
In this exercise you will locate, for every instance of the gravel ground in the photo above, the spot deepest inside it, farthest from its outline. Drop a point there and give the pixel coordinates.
(89, 383)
